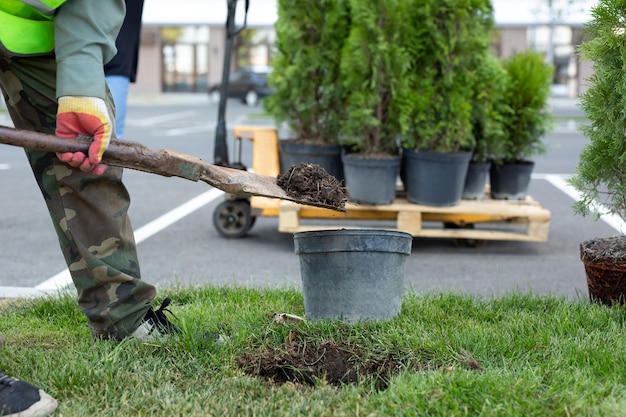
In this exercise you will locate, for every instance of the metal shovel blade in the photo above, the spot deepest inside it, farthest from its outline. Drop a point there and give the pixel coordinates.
(164, 162)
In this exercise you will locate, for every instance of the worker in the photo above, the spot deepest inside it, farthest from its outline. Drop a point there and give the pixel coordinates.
(52, 56)
(121, 71)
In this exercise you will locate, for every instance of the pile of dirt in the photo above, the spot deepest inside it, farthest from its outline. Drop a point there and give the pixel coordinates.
(335, 363)
(311, 183)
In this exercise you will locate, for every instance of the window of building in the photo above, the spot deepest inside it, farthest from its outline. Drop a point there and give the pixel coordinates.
(184, 53)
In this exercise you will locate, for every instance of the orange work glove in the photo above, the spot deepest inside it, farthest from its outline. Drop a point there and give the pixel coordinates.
(85, 116)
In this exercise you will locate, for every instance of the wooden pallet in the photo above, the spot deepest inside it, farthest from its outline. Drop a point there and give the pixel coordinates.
(487, 219)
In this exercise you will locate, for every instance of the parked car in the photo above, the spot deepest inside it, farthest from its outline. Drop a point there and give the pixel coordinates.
(248, 84)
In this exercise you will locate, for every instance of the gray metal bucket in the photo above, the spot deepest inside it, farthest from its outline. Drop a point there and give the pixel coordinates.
(352, 275)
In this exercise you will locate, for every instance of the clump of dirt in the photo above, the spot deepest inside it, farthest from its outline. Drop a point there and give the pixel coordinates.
(311, 183)
(335, 363)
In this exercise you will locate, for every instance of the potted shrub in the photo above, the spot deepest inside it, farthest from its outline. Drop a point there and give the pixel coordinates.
(374, 69)
(446, 37)
(486, 119)
(526, 120)
(308, 95)
(601, 172)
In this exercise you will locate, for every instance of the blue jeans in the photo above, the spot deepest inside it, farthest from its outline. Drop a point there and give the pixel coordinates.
(118, 84)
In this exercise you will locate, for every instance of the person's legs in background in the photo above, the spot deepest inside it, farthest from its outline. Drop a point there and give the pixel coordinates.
(118, 84)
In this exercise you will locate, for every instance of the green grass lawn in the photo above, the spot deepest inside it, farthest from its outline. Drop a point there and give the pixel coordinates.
(444, 355)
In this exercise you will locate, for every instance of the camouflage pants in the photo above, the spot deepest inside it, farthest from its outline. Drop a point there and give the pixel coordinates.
(89, 213)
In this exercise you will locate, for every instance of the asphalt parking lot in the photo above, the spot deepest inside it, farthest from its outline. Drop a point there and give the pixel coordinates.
(178, 244)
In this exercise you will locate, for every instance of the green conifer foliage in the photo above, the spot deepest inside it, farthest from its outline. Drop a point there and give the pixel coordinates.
(374, 69)
(526, 113)
(446, 38)
(601, 171)
(488, 107)
(308, 93)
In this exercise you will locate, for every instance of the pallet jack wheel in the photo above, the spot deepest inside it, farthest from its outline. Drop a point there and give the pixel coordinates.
(233, 218)
(470, 243)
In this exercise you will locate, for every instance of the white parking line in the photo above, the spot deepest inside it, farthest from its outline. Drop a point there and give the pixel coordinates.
(148, 121)
(560, 182)
(181, 131)
(63, 278)
(4, 166)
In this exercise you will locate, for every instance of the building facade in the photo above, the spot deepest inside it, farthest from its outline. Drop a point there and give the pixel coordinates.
(183, 51)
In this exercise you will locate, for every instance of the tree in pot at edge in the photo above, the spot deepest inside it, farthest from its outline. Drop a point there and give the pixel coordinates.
(527, 119)
(601, 172)
(446, 37)
(308, 95)
(373, 71)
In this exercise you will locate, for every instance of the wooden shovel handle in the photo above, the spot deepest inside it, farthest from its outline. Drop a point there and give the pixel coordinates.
(124, 153)
(164, 162)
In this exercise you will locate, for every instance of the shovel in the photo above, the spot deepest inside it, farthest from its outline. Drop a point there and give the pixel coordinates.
(164, 162)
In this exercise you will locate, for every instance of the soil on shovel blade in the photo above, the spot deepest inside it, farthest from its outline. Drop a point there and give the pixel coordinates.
(311, 182)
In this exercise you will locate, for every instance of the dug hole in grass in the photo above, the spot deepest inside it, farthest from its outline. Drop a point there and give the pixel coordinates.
(445, 355)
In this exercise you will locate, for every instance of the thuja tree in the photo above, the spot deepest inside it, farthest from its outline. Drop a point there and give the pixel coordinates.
(488, 107)
(527, 115)
(601, 171)
(308, 94)
(446, 38)
(374, 68)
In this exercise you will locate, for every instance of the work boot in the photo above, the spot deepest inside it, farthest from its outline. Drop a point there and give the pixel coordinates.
(19, 399)
(155, 324)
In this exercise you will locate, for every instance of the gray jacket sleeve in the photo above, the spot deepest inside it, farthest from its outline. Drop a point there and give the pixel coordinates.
(85, 32)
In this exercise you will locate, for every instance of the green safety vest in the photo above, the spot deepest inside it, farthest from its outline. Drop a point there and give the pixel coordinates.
(27, 26)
